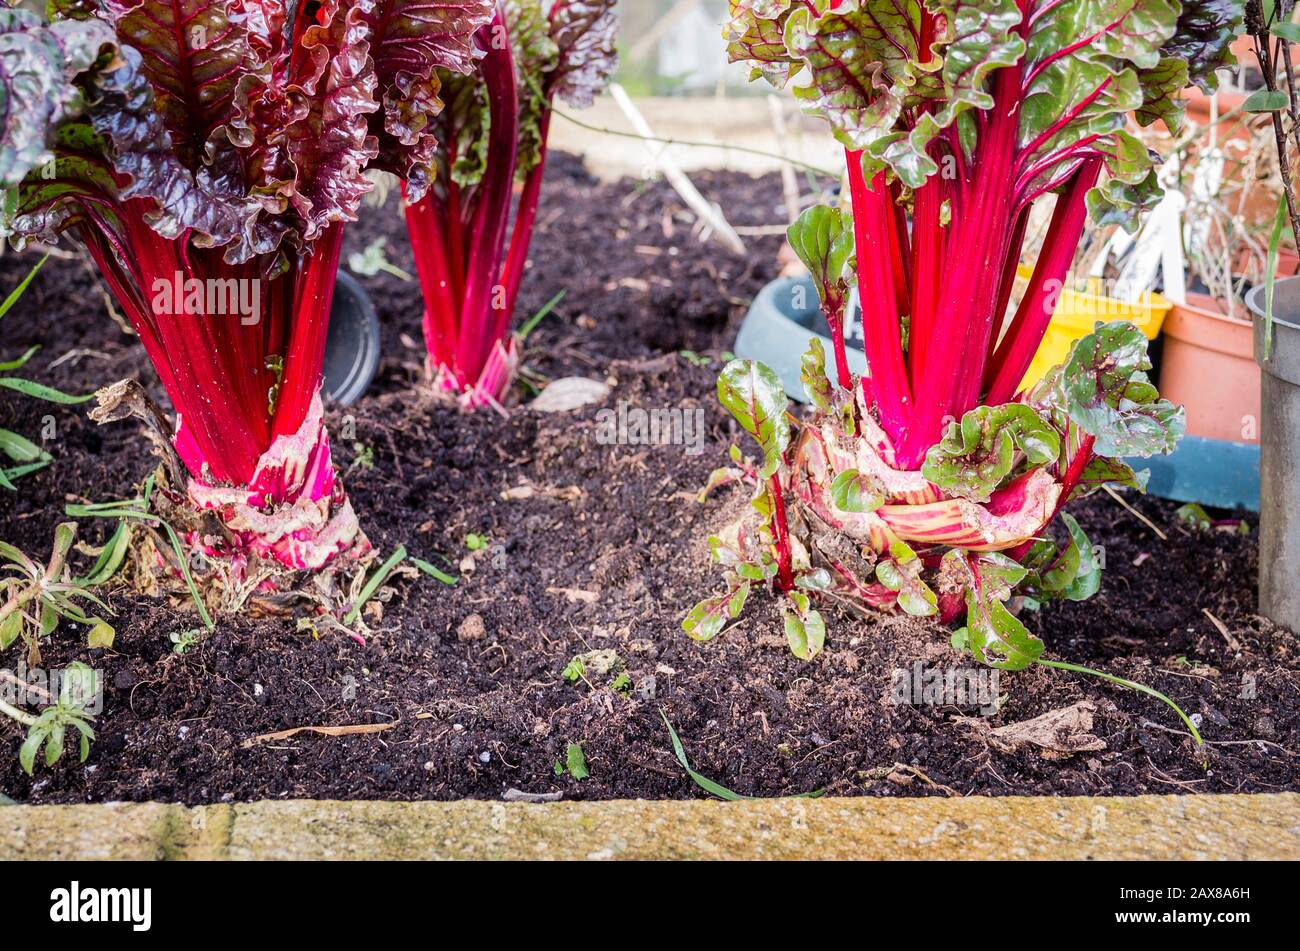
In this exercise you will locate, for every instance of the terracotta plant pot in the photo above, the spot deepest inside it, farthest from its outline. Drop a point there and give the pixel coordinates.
(1197, 108)
(1288, 262)
(1209, 367)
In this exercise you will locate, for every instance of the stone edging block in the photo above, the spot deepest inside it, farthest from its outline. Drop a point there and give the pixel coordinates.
(1142, 827)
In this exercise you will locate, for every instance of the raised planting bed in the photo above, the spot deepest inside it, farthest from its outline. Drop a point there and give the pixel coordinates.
(1146, 828)
(603, 546)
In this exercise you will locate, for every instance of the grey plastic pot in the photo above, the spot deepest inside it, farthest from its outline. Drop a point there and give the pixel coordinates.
(1279, 510)
(783, 318)
(352, 344)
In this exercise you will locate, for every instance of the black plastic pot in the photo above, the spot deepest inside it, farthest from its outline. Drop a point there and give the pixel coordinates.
(353, 345)
(1279, 429)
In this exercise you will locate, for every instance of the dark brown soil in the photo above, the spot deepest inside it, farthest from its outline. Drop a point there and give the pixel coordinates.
(608, 553)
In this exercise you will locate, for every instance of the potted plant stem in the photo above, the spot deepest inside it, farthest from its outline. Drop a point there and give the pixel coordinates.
(1276, 307)
(1208, 334)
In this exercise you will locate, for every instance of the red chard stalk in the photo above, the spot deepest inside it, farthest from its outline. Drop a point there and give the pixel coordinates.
(928, 485)
(208, 154)
(494, 132)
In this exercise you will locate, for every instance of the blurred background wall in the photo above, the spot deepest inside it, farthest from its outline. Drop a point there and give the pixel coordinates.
(675, 47)
(673, 63)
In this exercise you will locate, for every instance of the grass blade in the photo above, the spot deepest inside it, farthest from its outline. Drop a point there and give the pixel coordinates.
(19, 448)
(17, 472)
(31, 457)
(17, 292)
(110, 559)
(538, 317)
(8, 365)
(124, 510)
(189, 578)
(42, 392)
(708, 785)
(371, 586)
(1270, 276)
(433, 571)
(1132, 685)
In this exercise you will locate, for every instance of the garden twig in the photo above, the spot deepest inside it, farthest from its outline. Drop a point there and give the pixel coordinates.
(1135, 513)
(1233, 643)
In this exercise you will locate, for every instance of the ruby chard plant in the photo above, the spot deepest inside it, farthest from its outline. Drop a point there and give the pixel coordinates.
(927, 485)
(494, 131)
(207, 154)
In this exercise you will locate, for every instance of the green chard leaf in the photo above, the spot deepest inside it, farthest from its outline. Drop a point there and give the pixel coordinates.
(901, 572)
(753, 394)
(812, 372)
(1085, 90)
(1162, 93)
(979, 36)
(854, 491)
(1072, 573)
(1103, 471)
(1085, 65)
(755, 34)
(805, 630)
(1105, 391)
(862, 60)
(822, 237)
(707, 619)
(976, 455)
(736, 547)
(993, 634)
(723, 475)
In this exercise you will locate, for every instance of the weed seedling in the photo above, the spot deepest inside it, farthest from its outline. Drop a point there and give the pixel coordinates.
(184, 640)
(37, 597)
(49, 728)
(574, 763)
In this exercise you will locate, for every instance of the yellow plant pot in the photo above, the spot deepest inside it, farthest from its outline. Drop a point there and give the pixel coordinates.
(1076, 314)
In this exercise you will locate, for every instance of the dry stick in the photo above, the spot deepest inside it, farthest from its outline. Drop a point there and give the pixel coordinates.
(1135, 513)
(24, 685)
(364, 728)
(1233, 643)
(22, 716)
(676, 177)
(789, 184)
(1259, 30)
(761, 231)
(1293, 108)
